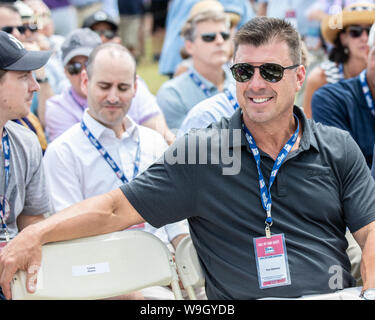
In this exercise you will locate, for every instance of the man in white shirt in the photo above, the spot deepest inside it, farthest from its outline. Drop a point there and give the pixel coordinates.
(107, 148)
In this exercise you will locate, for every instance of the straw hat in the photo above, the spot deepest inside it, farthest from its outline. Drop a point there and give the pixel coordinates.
(233, 11)
(358, 13)
(205, 5)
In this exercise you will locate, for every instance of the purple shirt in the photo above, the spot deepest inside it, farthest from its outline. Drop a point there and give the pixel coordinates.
(66, 109)
(53, 4)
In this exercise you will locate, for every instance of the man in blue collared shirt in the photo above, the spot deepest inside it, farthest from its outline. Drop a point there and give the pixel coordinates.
(178, 13)
(207, 41)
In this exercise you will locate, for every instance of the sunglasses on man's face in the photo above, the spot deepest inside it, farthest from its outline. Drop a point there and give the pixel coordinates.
(75, 67)
(356, 31)
(270, 72)
(211, 36)
(109, 34)
(31, 27)
(9, 29)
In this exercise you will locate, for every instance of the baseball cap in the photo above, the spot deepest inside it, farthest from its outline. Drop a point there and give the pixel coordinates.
(100, 16)
(14, 56)
(79, 42)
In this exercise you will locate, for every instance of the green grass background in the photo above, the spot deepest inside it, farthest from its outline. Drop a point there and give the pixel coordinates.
(148, 69)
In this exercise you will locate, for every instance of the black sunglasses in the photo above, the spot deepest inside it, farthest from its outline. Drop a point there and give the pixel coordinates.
(270, 72)
(9, 29)
(31, 27)
(75, 67)
(109, 34)
(211, 36)
(356, 31)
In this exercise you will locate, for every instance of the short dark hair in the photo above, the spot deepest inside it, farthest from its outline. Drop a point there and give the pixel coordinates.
(2, 74)
(262, 30)
(114, 47)
(339, 53)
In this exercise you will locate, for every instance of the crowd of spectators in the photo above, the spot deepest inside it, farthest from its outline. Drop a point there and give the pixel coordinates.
(89, 105)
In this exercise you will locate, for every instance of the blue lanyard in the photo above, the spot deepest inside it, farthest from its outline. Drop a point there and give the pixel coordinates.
(367, 92)
(231, 99)
(6, 150)
(265, 194)
(341, 71)
(200, 84)
(119, 173)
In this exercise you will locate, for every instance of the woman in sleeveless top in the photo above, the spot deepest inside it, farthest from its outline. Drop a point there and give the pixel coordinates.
(348, 56)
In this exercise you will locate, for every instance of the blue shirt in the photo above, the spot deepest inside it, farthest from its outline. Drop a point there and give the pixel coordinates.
(133, 7)
(178, 13)
(278, 9)
(206, 112)
(177, 96)
(343, 105)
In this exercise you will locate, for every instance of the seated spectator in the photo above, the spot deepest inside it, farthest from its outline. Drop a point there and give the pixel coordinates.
(104, 25)
(24, 196)
(348, 57)
(349, 105)
(234, 17)
(178, 13)
(72, 158)
(245, 224)
(11, 22)
(67, 108)
(206, 37)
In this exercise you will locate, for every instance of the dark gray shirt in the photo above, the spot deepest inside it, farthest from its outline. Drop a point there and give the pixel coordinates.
(320, 189)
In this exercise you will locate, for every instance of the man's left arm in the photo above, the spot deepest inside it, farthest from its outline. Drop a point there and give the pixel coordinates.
(366, 240)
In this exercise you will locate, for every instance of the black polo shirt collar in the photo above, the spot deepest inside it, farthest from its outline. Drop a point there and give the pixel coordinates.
(308, 138)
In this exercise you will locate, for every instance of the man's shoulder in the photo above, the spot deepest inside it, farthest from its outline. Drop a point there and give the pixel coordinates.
(329, 137)
(175, 84)
(71, 138)
(21, 134)
(150, 134)
(342, 88)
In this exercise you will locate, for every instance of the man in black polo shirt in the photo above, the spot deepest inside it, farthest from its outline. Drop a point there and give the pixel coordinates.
(276, 227)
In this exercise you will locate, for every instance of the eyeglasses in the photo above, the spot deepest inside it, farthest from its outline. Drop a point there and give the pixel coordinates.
(109, 34)
(21, 29)
(356, 31)
(9, 29)
(211, 36)
(270, 72)
(31, 27)
(75, 67)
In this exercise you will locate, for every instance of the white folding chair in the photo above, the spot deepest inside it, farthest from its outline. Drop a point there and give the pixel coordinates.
(101, 267)
(188, 267)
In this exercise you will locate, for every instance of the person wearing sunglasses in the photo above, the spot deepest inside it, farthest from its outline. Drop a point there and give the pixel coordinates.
(66, 109)
(349, 104)
(286, 210)
(207, 41)
(347, 35)
(104, 25)
(11, 23)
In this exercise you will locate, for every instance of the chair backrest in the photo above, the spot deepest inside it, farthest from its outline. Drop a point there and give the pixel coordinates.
(100, 267)
(188, 266)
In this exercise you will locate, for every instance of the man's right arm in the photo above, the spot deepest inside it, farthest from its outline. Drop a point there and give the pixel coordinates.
(102, 214)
